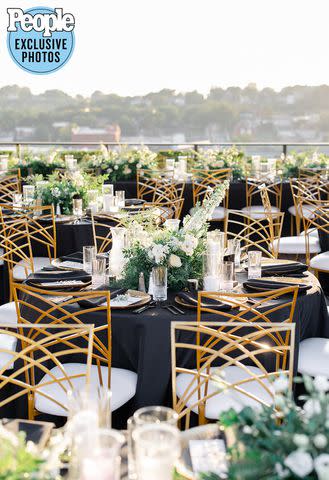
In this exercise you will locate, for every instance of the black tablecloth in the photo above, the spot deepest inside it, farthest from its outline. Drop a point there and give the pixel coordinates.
(141, 342)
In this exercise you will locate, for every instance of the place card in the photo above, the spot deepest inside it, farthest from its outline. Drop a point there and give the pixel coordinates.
(208, 456)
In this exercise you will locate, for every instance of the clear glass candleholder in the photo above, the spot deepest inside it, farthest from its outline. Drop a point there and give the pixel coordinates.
(159, 278)
(254, 264)
(98, 272)
(89, 253)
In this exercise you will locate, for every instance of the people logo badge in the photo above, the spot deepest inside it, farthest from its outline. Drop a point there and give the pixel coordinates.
(40, 40)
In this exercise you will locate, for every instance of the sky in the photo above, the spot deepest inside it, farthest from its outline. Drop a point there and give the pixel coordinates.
(132, 47)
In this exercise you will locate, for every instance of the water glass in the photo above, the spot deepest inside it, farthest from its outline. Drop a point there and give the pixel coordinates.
(28, 194)
(172, 224)
(103, 461)
(227, 276)
(98, 271)
(110, 203)
(107, 189)
(234, 248)
(77, 208)
(17, 201)
(145, 416)
(157, 450)
(89, 253)
(96, 400)
(170, 164)
(159, 277)
(4, 163)
(120, 195)
(254, 264)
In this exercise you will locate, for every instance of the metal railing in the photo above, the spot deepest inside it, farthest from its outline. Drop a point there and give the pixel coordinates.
(284, 146)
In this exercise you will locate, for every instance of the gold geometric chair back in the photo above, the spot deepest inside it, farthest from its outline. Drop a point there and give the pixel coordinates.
(273, 188)
(148, 181)
(311, 175)
(220, 365)
(9, 184)
(102, 224)
(166, 210)
(38, 306)
(40, 349)
(204, 181)
(255, 234)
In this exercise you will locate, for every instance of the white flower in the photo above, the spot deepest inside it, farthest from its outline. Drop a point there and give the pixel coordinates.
(247, 430)
(116, 167)
(320, 440)
(321, 466)
(175, 261)
(321, 383)
(189, 244)
(300, 440)
(158, 252)
(312, 407)
(281, 384)
(300, 463)
(281, 472)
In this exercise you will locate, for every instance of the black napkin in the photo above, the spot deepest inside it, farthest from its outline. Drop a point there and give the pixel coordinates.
(73, 257)
(38, 278)
(258, 286)
(96, 301)
(191, 298)
(284, 269)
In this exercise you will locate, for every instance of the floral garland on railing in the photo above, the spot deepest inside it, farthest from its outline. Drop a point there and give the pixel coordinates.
(180, 251)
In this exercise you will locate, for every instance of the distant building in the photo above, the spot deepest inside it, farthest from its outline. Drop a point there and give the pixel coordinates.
(111, 133)
(24, 133)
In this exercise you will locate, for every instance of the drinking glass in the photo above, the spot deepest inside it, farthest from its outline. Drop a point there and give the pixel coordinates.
(170, 164)
(98, 271)
(89, 253)
(17, 201)
(234, 248)
(4, 163)
(172, 224)
(159, 277)
(157, 450)
(211, 271)
(254, 264)
(144, 416)
(227, 276)
(103, 461)
(96, 400)
(120, 195)
(108, 189)
(77, 209)
(28, 194)
(110, 203)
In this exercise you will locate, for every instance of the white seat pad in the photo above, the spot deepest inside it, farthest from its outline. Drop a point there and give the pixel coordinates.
(8, 313)
(314, 357)
(258, 211)
(296, 244)
(1, 254)
(312, 232)
(229, 398)
(219, 213)
(306, 209)
(123, 387)
(39, 263)
(320, 262)
(7, 342)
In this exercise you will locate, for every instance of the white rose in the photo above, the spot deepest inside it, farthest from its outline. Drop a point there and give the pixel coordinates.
(300, 463)
(281, 472)
(321, 383)
(300, 440)
(312, 407)
(281, 384)
(320, 440)
(247, 430)
(175, 261)
(321, 466)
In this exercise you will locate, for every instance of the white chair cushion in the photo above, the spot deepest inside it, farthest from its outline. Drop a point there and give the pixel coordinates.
(313, 232)
(39, 263)
(1, 253)
(229, 398)
(219, 213)
(314, 357)
(8, 313)
(123, 387)
(7, 342)
(320, 262)
(295, 245)
(257, 211)
(306, 209)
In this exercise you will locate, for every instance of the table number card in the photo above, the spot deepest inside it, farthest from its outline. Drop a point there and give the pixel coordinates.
(208, 456)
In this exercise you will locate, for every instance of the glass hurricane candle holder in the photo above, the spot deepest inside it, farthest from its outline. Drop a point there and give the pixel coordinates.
(254, 264)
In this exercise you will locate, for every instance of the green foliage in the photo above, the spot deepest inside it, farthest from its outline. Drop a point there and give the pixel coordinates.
(231, 157)
(39, 167)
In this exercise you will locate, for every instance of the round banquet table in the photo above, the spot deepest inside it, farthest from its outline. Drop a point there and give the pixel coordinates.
(141, 342)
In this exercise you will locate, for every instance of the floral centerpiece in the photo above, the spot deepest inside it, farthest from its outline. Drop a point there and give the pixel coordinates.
(230, 157)
(291, 164)
(291, 443)
(180, 251)
(122, 163)
(62, 188)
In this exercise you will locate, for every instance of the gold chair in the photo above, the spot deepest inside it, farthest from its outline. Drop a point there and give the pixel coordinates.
(259, 234)
(9, 184)
(221, 365)
(204, 181)
(35, 305)
(36, 366)
(101, 224)
(166, 210)
(274, 192)
(148, 182)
